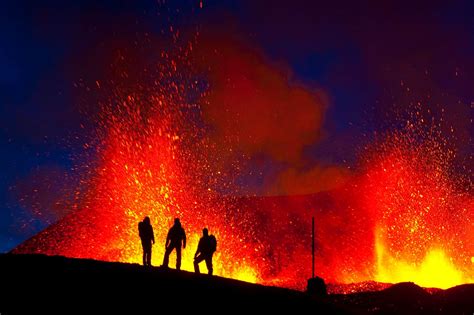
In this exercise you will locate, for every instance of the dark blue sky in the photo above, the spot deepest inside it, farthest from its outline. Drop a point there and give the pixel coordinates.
(358, 53)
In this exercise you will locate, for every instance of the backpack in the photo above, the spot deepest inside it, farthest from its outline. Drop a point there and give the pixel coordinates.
(212, 243)
(141, 231)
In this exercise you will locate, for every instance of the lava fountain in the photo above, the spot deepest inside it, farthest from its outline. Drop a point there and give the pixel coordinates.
(149, 160)
(403, 216)
(423, 212)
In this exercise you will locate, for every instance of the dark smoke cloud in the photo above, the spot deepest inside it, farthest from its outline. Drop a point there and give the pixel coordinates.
(253, 106)
(294, 181)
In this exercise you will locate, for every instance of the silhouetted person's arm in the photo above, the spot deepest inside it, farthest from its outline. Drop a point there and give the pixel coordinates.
(198, 250)
(184, 239)
(152, 235)
(168, 239)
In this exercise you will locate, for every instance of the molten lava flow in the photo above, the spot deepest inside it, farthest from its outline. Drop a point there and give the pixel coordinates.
(404, 216)
(434, 270)
(145, 170)
(423, 229)
(150, 159)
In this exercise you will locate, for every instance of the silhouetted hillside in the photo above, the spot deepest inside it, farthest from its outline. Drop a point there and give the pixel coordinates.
(38, 284)
(408, 298)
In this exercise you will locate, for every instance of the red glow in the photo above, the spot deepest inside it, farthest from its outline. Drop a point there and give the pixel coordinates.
(402, 217)
(424, 214)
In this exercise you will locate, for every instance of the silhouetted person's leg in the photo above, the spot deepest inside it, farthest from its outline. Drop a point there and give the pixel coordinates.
(197, 260)
(166, 259)
(209, 264)
(144, 254)
(148, 257)
(178, 258)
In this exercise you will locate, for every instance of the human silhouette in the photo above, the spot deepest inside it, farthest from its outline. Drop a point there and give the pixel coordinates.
(145, 230)
(175, 239)
(205, 250)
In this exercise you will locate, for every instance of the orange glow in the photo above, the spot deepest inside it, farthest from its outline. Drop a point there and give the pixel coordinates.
(434, 270)
(423, 230)
(403, 215)
(238, 271)
(145, 173)
(401, 219)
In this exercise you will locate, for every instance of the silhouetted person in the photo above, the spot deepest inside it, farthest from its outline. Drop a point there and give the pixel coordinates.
(206, 248)
(145, 230)
(175, 239)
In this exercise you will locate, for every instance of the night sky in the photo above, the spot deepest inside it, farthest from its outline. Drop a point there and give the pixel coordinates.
(373, 62)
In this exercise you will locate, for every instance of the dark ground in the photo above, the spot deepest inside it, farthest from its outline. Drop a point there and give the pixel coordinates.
(37, 284)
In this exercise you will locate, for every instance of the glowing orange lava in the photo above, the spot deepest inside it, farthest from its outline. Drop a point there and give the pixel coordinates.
(403, 219)
(434, 270)
(424, 219)
(403, 216)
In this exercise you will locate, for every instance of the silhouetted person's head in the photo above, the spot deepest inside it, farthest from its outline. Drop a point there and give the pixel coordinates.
(176, 222)
(205, 232)
(146, 220)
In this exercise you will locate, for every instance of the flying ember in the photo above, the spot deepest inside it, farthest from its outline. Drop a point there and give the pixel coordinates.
(404, 215)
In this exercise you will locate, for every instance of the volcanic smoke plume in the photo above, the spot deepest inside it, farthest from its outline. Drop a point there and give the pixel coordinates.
(251, 106)
(173, 135)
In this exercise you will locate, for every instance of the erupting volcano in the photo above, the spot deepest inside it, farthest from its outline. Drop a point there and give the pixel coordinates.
(172, 137)
(151, 163)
